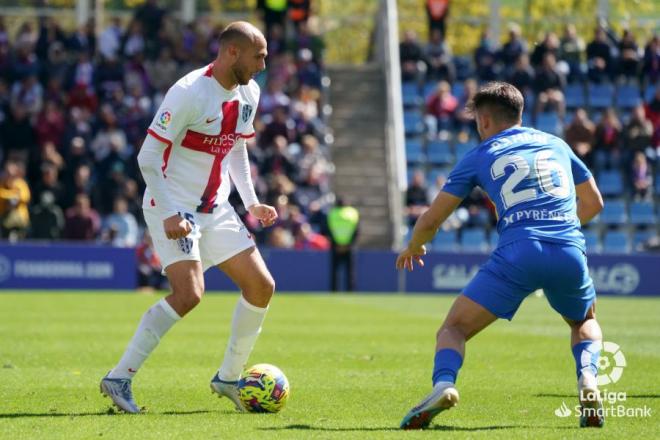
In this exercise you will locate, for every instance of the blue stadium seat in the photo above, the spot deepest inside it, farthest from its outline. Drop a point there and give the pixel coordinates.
(641, 214)
(649, 92)
(627, 96)
(457, 89)
(640, 237)
(592, 241)
(527, 119)
(610, 183)
(444, 241)
(614, 213)
(435, 172)
(414, 151)
(462, 148)
(600, 95)
(657, 183)
(410, 94)
(474, 240)
(616, 242)
(428, 89)
(549, 122)
(413, 122)
(574, 95)
(439, 152)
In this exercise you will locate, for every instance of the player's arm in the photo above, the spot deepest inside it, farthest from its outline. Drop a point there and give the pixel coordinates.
(150, 160)
(425, 229)
(171, 118)
(590, 202)
(239, 170)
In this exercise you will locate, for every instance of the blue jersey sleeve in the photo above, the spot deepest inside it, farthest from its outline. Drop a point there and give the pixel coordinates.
(580, 171)
(463, 177)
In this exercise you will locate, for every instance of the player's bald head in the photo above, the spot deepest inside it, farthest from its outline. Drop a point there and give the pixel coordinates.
(241, 33)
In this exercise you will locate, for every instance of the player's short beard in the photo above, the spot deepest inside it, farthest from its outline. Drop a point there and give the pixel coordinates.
(241, 78)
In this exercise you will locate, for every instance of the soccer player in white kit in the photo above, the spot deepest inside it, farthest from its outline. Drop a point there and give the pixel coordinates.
(195, 142)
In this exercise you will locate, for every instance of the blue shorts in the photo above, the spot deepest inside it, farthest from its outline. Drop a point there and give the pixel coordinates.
(517, 269)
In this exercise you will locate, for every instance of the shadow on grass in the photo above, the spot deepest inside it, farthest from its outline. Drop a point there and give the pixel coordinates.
(388, 428)
(641, 396)
(108, 412)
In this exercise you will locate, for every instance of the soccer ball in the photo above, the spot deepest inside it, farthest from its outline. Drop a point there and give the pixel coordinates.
(263, 388)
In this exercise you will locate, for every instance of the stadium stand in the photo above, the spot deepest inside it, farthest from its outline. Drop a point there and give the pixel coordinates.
(74, 110)
(611, 120)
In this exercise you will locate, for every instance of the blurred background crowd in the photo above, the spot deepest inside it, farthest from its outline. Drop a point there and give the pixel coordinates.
(75, 106)
(599, 95)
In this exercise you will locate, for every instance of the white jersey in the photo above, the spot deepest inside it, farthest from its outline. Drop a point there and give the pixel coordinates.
(200, 122)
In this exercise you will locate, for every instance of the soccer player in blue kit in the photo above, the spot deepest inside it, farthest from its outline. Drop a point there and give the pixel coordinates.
(534, 180)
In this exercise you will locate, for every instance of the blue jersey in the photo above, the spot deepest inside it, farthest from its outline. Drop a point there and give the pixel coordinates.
(530, 176)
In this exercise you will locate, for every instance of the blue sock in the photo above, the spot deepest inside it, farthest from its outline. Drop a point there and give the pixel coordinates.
(586, 354)
(446, 364)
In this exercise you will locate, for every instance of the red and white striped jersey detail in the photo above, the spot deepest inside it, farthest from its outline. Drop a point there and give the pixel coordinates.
(200, 122)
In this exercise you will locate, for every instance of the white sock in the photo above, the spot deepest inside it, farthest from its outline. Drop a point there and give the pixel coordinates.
(245, 328)
(154, 324)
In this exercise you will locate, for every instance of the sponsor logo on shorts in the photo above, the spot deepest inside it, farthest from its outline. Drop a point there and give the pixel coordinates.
(186, 245)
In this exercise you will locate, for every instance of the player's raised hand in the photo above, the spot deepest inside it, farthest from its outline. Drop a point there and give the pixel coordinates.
(176, 227)
(266, 214)
(408, 256)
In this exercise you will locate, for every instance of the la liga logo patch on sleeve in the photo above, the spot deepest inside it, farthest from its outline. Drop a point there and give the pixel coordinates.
(164, 119)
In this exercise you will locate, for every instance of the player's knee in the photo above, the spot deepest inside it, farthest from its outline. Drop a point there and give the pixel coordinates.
(266, 286)
(453, 328)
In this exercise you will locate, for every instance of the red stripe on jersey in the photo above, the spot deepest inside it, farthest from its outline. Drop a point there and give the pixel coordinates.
(209, 70)
(168, 149)
(246, 136)
(153, 202)
(229, 123)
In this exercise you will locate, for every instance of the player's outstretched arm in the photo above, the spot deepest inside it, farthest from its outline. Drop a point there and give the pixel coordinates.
(425, 229)
(590, 202)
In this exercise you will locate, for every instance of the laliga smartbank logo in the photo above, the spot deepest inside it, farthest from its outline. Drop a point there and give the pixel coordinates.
(611, 364)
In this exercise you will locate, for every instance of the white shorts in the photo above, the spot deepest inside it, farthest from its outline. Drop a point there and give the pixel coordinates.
(215, 237)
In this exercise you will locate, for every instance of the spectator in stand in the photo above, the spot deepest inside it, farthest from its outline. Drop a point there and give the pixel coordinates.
(50, 33)
(150, 17)
(150, 274)
(580, 135)
(442, 105)
(273, 97)
(28, 94)
(299, 11)
(599, 57)
(17, 134)
(281, 125)
(550, 44)
(522, 76)
(281, 238)
(513, 48)
(630, 56)
(110, 39)
(416, 197)
(638, 131)
(83, 39)
(548, 85)
(14, 199)
(164, 71)
(642, 177)
(437, 12)
(607, 144)
(46, 219)
(485, 57)
(653, 109)
(411, 54)
(439, 58)
(307, 239)
(81, 183)
(49, 183)
(50, 124)
(82, 221)
(464, 117)
(120, 228)
(309, 73)
(278, 160)
(273, 13)
(651, 65)
(437, 186)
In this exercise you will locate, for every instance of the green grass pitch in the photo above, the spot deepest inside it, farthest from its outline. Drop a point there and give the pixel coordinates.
(356, 364)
